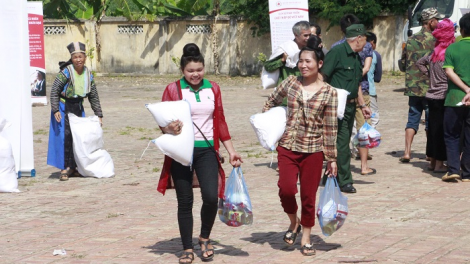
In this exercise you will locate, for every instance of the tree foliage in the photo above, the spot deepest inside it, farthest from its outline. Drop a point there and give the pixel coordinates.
(365, 10)
(256, 11)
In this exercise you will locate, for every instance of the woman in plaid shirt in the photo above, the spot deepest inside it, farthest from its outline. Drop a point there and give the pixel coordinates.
(309, 138)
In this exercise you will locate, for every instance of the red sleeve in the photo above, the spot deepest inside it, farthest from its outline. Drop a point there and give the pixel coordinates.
(171, 92)
(224, 134)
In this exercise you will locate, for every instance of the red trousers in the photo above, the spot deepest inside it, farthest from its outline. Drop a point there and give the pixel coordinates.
(306, 167)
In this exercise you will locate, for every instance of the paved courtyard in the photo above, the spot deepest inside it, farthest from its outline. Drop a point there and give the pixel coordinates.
(402, 214)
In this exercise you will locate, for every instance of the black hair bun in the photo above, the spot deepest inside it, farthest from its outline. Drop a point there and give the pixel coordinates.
(191, 50)
(315, 43)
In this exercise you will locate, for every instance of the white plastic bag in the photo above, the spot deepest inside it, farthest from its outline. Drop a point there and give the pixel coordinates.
(332, 208)
(270, 126)
(178, 147)
(92, 160)
(8, 176)
(342, 98)
(367, 137)
(235, 209)
(269, 79)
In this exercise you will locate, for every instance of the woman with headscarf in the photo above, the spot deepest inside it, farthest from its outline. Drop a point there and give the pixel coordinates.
(73, 83)
(431, 65)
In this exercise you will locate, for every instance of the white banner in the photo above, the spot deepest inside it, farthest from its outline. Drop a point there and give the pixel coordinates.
(15, 99)
(283, 14)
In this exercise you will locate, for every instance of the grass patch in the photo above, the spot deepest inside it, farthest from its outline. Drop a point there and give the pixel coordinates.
(112, 215)
(40, 132)
(78, 256)
(156, 169)
(256, 155)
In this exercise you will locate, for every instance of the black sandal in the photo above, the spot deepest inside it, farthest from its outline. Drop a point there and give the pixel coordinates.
(186, 255)
(291, 236)
(307, 247)
(207, 250)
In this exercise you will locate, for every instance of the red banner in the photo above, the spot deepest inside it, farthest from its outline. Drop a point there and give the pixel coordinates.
(36, 41)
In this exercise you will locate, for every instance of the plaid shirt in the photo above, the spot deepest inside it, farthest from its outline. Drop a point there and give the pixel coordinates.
(312, 126)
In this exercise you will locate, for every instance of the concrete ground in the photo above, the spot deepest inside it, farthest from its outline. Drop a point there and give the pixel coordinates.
(402, 214)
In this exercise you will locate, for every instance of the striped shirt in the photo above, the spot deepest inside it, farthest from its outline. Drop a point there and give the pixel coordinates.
(61, 89)
(312, 125)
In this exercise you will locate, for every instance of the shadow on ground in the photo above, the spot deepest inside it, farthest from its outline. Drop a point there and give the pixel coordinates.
(276, 242)
(174, 246)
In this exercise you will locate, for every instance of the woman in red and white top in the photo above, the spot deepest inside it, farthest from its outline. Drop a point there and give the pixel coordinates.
(207, 114)
(310, 136)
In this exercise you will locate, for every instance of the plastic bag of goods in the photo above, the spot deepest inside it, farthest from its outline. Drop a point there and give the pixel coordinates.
(92, 160)
(367, 137)
(270, 126)
(178, 147)
(332, 208)
(8, 176)
(235, 209)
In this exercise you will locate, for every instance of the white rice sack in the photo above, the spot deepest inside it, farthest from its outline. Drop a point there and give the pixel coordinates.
(8, 176)
(269, 126)
(269, 79)
(178, 147)
(92, 160)
(342, 98)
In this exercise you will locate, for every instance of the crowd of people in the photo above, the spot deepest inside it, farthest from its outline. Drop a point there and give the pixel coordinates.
(436, 83)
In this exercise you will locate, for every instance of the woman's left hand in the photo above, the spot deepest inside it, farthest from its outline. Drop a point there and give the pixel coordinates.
(235, 159)
(331, 169)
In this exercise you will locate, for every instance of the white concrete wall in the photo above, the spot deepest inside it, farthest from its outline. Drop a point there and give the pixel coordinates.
(152, 50)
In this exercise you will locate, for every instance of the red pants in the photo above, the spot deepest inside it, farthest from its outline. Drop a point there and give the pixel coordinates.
(307, 167)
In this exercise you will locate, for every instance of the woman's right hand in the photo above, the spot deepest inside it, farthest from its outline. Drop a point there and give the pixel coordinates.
(57, 116)
(331, 169)
(173, 128)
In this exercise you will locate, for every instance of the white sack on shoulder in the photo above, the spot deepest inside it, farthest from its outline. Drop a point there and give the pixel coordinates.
(92, 160)
(270, 126)
(8, 176)
(178, 147)
(270, 79)
(342, 98)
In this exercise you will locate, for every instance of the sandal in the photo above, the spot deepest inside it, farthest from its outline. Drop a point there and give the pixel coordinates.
(64, 176)
(291, 236)
(75, 173)
(207, 250)
(308, 250)
(186, 256)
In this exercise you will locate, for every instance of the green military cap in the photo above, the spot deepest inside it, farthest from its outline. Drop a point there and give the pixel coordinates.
(355, 30)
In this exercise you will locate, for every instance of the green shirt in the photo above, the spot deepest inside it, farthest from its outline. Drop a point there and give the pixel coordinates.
(343, 69)
(455, 59)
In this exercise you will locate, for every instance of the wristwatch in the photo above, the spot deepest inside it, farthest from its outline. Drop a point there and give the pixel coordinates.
(362, 106)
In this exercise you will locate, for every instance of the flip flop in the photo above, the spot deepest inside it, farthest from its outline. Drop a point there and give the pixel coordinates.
(374, 171)
(404, 160)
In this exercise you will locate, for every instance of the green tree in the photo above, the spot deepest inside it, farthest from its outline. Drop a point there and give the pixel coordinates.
(257, 11)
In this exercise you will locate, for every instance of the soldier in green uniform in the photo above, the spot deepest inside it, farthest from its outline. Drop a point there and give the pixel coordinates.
(417, 84)
(343, 69)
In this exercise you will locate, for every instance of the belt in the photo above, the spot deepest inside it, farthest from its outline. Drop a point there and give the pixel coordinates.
(351, 101)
